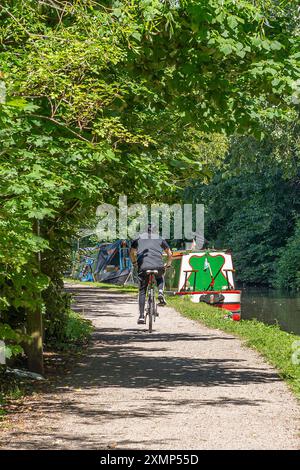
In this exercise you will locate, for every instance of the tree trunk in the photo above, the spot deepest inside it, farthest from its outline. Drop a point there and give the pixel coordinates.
(35, 329)
(35, 348)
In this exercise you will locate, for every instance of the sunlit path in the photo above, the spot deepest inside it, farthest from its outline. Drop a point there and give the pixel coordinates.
(184, 387)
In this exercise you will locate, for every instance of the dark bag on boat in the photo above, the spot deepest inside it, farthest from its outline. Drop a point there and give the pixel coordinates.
(212, 299)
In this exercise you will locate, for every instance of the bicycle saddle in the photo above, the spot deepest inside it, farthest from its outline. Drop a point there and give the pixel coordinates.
(152, 271)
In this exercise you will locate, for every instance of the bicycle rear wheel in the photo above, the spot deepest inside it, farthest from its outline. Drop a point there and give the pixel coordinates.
(151, 310)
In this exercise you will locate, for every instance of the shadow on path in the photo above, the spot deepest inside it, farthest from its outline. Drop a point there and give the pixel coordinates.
(132, 359)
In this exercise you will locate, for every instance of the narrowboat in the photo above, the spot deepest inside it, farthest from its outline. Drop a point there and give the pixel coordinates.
(206, 276)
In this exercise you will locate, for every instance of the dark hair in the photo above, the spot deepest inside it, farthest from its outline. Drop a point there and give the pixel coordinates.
(152, 228)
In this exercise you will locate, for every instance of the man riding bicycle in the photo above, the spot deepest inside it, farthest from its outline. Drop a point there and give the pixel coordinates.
(147, 254)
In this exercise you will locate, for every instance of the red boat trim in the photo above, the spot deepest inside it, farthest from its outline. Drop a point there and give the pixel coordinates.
(229, 303)
(228, 306)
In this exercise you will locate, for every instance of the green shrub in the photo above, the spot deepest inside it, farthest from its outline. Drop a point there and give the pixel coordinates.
(57, 304)
(10, 389)
(74, 331)
(77, 329)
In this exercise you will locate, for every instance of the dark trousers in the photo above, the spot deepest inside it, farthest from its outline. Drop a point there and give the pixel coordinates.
(143, 284)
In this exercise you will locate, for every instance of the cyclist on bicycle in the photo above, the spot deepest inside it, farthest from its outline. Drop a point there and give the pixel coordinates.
(147, 254)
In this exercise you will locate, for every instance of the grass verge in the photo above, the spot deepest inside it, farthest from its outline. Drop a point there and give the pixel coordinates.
(277, 346)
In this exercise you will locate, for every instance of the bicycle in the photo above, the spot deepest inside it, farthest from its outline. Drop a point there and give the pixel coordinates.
(151, 310)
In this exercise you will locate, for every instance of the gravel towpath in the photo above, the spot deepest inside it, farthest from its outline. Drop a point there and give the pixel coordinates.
(183, 387)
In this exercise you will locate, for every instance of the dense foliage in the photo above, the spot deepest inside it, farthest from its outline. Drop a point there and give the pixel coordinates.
(288, 269)
(253, 207)
(110, 97)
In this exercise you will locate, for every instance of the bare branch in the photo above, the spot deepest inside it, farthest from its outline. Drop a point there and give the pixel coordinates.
(15, 19)
(52, 4)
(62, 125)
(68, 212)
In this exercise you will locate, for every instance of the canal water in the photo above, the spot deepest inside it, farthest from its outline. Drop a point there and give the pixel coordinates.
(272, 306)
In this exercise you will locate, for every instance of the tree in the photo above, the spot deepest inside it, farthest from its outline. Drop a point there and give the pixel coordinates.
(288, 268)
(106, 97)
(253, 204)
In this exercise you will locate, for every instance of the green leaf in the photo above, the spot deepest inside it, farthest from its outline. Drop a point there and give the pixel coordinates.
(226, 49)
(136, 35)
(17, 103)
(232, 22)
(276, 45)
